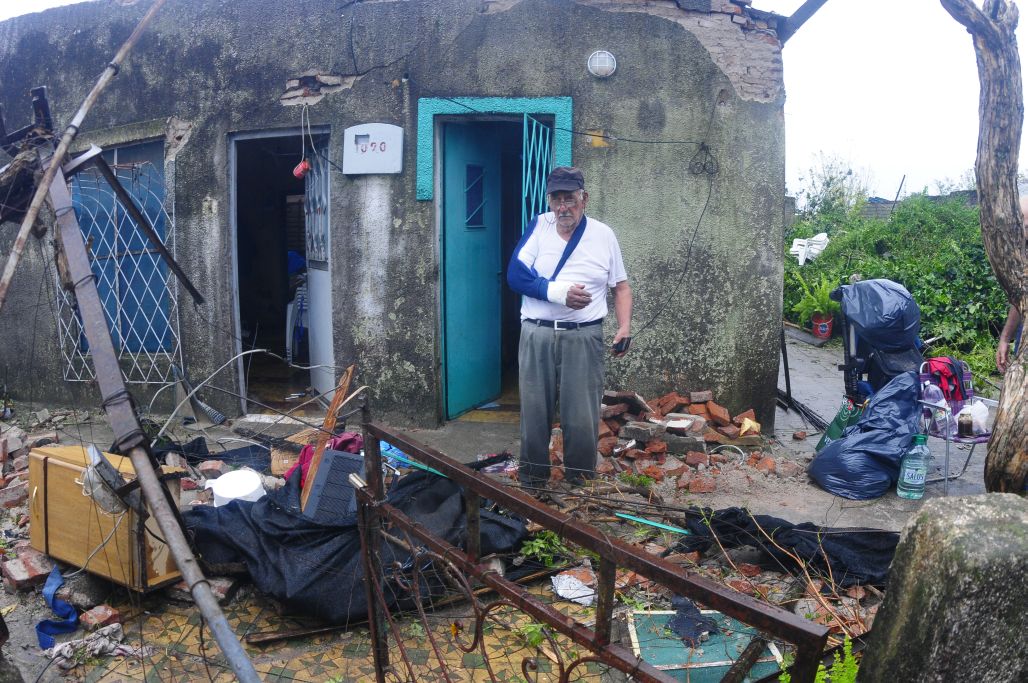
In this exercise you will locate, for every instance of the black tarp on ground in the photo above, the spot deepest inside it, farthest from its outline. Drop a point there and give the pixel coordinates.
(851, 557)
(317, 569)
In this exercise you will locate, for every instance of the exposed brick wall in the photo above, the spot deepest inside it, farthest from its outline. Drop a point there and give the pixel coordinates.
(745, 47)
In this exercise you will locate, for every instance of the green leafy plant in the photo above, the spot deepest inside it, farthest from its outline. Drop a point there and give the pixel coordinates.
(640, 480)
(546, 547)
(532, 634)
(930, 246)
(844, 667)
(815, 299)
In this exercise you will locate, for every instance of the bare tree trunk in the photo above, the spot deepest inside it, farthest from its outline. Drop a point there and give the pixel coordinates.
(1001, 115)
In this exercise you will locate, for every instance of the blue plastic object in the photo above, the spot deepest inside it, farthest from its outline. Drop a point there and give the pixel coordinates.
(68, 619)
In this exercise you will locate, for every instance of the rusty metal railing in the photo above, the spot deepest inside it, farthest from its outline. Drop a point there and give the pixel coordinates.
(460, 566)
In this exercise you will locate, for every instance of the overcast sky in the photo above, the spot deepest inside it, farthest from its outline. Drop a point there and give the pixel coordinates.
(888, 86)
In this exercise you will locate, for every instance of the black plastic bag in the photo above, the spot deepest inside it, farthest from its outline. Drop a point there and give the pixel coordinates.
(317, 569)
(864, 463)
(883, 313)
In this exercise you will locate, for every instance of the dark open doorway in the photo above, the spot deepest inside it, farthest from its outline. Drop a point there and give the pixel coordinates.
(271, 258)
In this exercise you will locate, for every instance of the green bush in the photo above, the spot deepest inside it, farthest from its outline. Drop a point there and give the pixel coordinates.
(934, 249)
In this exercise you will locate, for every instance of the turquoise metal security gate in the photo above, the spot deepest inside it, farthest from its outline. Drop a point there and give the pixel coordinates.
(536, 163)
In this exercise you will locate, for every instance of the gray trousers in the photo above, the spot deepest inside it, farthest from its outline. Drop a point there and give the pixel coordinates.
(564, 364)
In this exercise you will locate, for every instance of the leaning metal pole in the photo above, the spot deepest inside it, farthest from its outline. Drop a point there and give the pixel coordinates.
(62, 149)
(129, 438)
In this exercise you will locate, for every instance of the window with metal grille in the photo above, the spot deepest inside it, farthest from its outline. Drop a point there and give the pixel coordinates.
(136, 289)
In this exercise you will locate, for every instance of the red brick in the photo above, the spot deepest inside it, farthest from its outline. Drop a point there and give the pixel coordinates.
(701, 484)
(799, 435)
(711, 436)
(654, 472)
(21, 463)
(212, 469)
(695, 458)
(556, 446)
(606, 445)
(223, 587)
(699, 409)
(788, 468)
(613, 411)
(3, 452)
(613, 425)
(101, 615)
(656, 446)
(682, 559)
(737, 420)
(754, 459)
(684, 479)
(604, 430)
(719, 414)
(24, 520)
(741, 585)
(731, 431)
(634, 454)
(14, 494)
(766, 464)
(605, 466)
(29, 569)
(719, 458)
(189, 484)
(701, 396)
(748, 570)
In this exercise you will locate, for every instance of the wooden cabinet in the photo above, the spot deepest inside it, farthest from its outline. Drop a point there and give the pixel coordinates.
(68, 526)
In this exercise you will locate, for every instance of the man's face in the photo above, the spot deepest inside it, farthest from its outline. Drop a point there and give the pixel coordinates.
(568, 207)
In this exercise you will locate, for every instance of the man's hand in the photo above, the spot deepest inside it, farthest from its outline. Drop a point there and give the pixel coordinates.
(578, 298)
(1002, 355)
(621, 343)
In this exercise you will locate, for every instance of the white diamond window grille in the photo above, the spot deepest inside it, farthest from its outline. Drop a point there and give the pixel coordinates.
(137, 290)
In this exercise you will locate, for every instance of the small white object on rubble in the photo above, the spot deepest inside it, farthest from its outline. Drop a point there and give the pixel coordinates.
(102, 642)
(807, 250)
(577, 585)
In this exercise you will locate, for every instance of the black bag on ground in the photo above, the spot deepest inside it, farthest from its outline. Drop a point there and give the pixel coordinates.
(864, 463)
(317, 569)
(851, 557)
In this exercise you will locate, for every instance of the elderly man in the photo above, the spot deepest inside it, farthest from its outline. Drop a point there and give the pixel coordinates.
(563, 266)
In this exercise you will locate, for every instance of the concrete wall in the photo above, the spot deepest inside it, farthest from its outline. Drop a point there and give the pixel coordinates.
(703, 252)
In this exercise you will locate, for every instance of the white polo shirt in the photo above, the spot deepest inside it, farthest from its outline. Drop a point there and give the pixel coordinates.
(595, 263)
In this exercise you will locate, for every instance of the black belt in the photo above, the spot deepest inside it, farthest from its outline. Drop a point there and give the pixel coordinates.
(562, 325)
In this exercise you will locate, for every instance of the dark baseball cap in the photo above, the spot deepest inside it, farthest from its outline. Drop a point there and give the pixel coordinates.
(565, 179)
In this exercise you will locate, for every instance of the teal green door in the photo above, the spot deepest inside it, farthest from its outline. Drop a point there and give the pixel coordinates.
(472, 267)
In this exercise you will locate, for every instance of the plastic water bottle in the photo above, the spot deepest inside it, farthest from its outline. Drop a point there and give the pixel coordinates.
(936, 416)
(914, 469)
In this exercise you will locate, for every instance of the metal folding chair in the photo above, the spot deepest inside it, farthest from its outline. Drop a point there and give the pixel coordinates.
(948, 432)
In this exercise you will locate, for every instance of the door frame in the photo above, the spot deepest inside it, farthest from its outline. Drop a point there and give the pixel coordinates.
(432, 114)
(233, 199)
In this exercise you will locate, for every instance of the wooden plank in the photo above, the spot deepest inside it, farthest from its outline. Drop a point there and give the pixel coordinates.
(327, 431)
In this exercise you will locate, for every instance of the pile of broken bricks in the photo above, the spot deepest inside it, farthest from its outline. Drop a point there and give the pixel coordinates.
(676, 435)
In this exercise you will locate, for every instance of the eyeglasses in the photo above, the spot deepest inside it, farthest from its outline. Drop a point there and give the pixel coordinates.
(566, 201)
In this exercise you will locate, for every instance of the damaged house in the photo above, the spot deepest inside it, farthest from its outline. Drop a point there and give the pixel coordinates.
(345, 182)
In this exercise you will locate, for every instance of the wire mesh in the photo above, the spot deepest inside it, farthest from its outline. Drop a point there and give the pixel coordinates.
(137, 291)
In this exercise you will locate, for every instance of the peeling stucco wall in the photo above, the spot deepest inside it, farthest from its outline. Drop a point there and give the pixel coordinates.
(703, 252)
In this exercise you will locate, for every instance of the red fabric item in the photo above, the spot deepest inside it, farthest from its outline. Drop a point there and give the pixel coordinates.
(949, 377)
(350, 442)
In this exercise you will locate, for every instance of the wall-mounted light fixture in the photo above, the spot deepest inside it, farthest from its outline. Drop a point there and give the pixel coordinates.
(601, 64)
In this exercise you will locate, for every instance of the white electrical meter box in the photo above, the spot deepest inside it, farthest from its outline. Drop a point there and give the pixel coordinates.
(372, 148)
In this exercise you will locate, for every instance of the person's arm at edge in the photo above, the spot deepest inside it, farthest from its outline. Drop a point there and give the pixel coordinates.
(623, 312)
(1006, 336)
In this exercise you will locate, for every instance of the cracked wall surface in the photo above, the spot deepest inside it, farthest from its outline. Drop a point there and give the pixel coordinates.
(704, 253)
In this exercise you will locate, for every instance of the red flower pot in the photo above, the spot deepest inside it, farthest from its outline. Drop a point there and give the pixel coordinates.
(822, 326)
